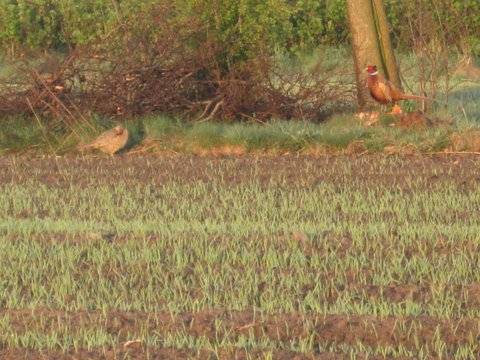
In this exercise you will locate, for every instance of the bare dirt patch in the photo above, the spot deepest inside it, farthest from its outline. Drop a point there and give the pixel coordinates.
(372, 331)
(168, 354)
(292, 169)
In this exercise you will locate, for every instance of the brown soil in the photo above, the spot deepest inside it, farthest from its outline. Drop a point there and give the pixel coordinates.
(162, 354)
(414, 119)
(367, 170)
(372, 331)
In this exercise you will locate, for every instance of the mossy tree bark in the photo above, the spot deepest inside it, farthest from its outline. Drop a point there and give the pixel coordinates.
(386, 48)
(371, 44)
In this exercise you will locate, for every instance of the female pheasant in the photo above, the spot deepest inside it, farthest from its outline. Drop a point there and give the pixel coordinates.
(110, 141)
(383, 91)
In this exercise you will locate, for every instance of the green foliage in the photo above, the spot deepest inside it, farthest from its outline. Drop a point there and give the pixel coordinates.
(20, 134)
(85, 21)
(455, 21)
(31, 23)
(240, 26)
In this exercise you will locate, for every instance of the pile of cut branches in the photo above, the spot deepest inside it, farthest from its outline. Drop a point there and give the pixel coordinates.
(167, 66)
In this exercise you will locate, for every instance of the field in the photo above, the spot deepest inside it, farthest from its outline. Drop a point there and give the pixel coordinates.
(252, 206)
(269, 257)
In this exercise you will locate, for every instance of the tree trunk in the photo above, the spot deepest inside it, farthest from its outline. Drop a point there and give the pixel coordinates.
(386, 49)
(364, 43)
(371, 44)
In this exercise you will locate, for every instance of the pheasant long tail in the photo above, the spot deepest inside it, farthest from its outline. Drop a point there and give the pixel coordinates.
(413, 97)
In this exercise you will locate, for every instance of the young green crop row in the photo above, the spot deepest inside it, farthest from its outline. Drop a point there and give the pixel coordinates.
(95, 338)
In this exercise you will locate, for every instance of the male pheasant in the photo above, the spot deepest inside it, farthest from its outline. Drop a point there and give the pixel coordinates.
(383, 91)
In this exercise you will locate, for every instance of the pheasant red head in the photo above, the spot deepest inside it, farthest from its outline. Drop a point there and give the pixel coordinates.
(372, 70)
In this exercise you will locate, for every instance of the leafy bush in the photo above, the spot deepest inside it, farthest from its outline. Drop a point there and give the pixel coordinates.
(240, 25)
(54, 24)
